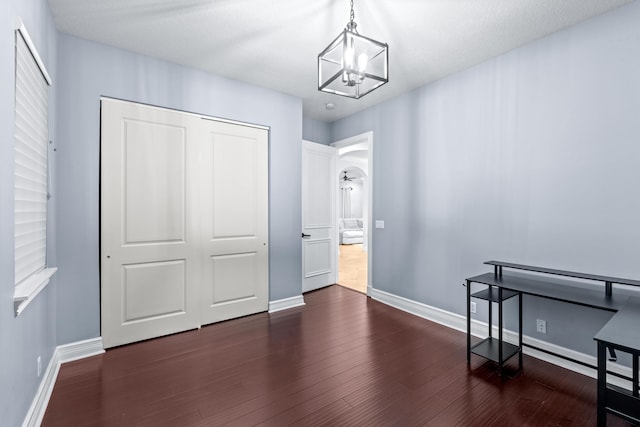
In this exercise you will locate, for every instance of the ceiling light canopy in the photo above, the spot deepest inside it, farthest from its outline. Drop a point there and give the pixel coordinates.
(353, 65)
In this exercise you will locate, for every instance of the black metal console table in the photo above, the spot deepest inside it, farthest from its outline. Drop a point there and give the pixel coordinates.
(500, 287)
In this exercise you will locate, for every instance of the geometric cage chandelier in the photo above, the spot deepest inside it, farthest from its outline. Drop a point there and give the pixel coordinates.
(353, 65)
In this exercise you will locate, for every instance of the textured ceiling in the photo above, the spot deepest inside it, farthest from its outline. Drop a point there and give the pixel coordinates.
(275, 43)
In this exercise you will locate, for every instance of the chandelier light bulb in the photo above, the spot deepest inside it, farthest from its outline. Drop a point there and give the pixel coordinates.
(348, 57)
(363, 59)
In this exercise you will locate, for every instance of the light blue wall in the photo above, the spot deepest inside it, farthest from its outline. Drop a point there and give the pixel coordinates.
(32, 334)
(89, 70)
(316, 131)
(532, 157)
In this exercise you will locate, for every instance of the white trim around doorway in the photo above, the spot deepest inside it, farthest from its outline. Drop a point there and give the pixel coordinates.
(366, 139)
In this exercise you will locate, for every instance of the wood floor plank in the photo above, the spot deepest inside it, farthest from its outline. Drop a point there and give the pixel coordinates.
(341, 360)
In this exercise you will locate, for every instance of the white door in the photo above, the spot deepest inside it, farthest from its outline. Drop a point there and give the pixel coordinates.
(319, 189)
(234, 190)
(150, 263)
(183, 221)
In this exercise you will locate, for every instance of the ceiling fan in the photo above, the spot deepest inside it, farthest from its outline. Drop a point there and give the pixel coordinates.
(346, 178)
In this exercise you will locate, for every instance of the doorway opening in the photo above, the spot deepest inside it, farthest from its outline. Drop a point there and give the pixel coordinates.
(354, 212)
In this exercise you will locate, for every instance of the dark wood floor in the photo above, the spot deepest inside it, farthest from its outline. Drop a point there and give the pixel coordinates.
(341, 360)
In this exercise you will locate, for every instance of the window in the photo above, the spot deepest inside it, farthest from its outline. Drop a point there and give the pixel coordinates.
(31, 136)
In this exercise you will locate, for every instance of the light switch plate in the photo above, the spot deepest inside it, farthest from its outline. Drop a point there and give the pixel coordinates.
(379, 223)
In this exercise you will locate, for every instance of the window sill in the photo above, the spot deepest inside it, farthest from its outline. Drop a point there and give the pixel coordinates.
(26, 291)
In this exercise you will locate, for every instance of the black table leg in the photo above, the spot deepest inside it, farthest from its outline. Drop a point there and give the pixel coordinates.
(602, 384)
(468, 322)
(635, 375)
(500, 361)
(520, 329)
(490, 316)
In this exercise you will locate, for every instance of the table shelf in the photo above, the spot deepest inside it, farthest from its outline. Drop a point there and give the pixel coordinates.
(491, 294)
(555, 289)
(489, 349)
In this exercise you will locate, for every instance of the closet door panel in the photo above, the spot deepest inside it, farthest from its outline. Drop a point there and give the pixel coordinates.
(150, 263)
(234, 187)
(154, 179)
(234, 195)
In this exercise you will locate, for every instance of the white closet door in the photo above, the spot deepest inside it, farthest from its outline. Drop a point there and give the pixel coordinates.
(184, 221)
(150, 262)
(234, 197)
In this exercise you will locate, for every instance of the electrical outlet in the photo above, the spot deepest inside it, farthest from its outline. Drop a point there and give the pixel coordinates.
(473, 307)
(39, 363)
(541, 326)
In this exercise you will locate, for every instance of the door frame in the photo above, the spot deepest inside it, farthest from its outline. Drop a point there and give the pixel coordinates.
(363, 138)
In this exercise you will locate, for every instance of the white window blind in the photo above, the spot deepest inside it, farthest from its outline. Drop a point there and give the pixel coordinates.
(31, 160)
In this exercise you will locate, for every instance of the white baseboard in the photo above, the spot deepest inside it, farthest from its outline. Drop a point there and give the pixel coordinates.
(286, 303)
(62, 354)
(478, 328)
(80, 350)
(39, 405)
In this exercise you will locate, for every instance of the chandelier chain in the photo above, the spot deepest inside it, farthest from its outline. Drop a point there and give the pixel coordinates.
(352, 15)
